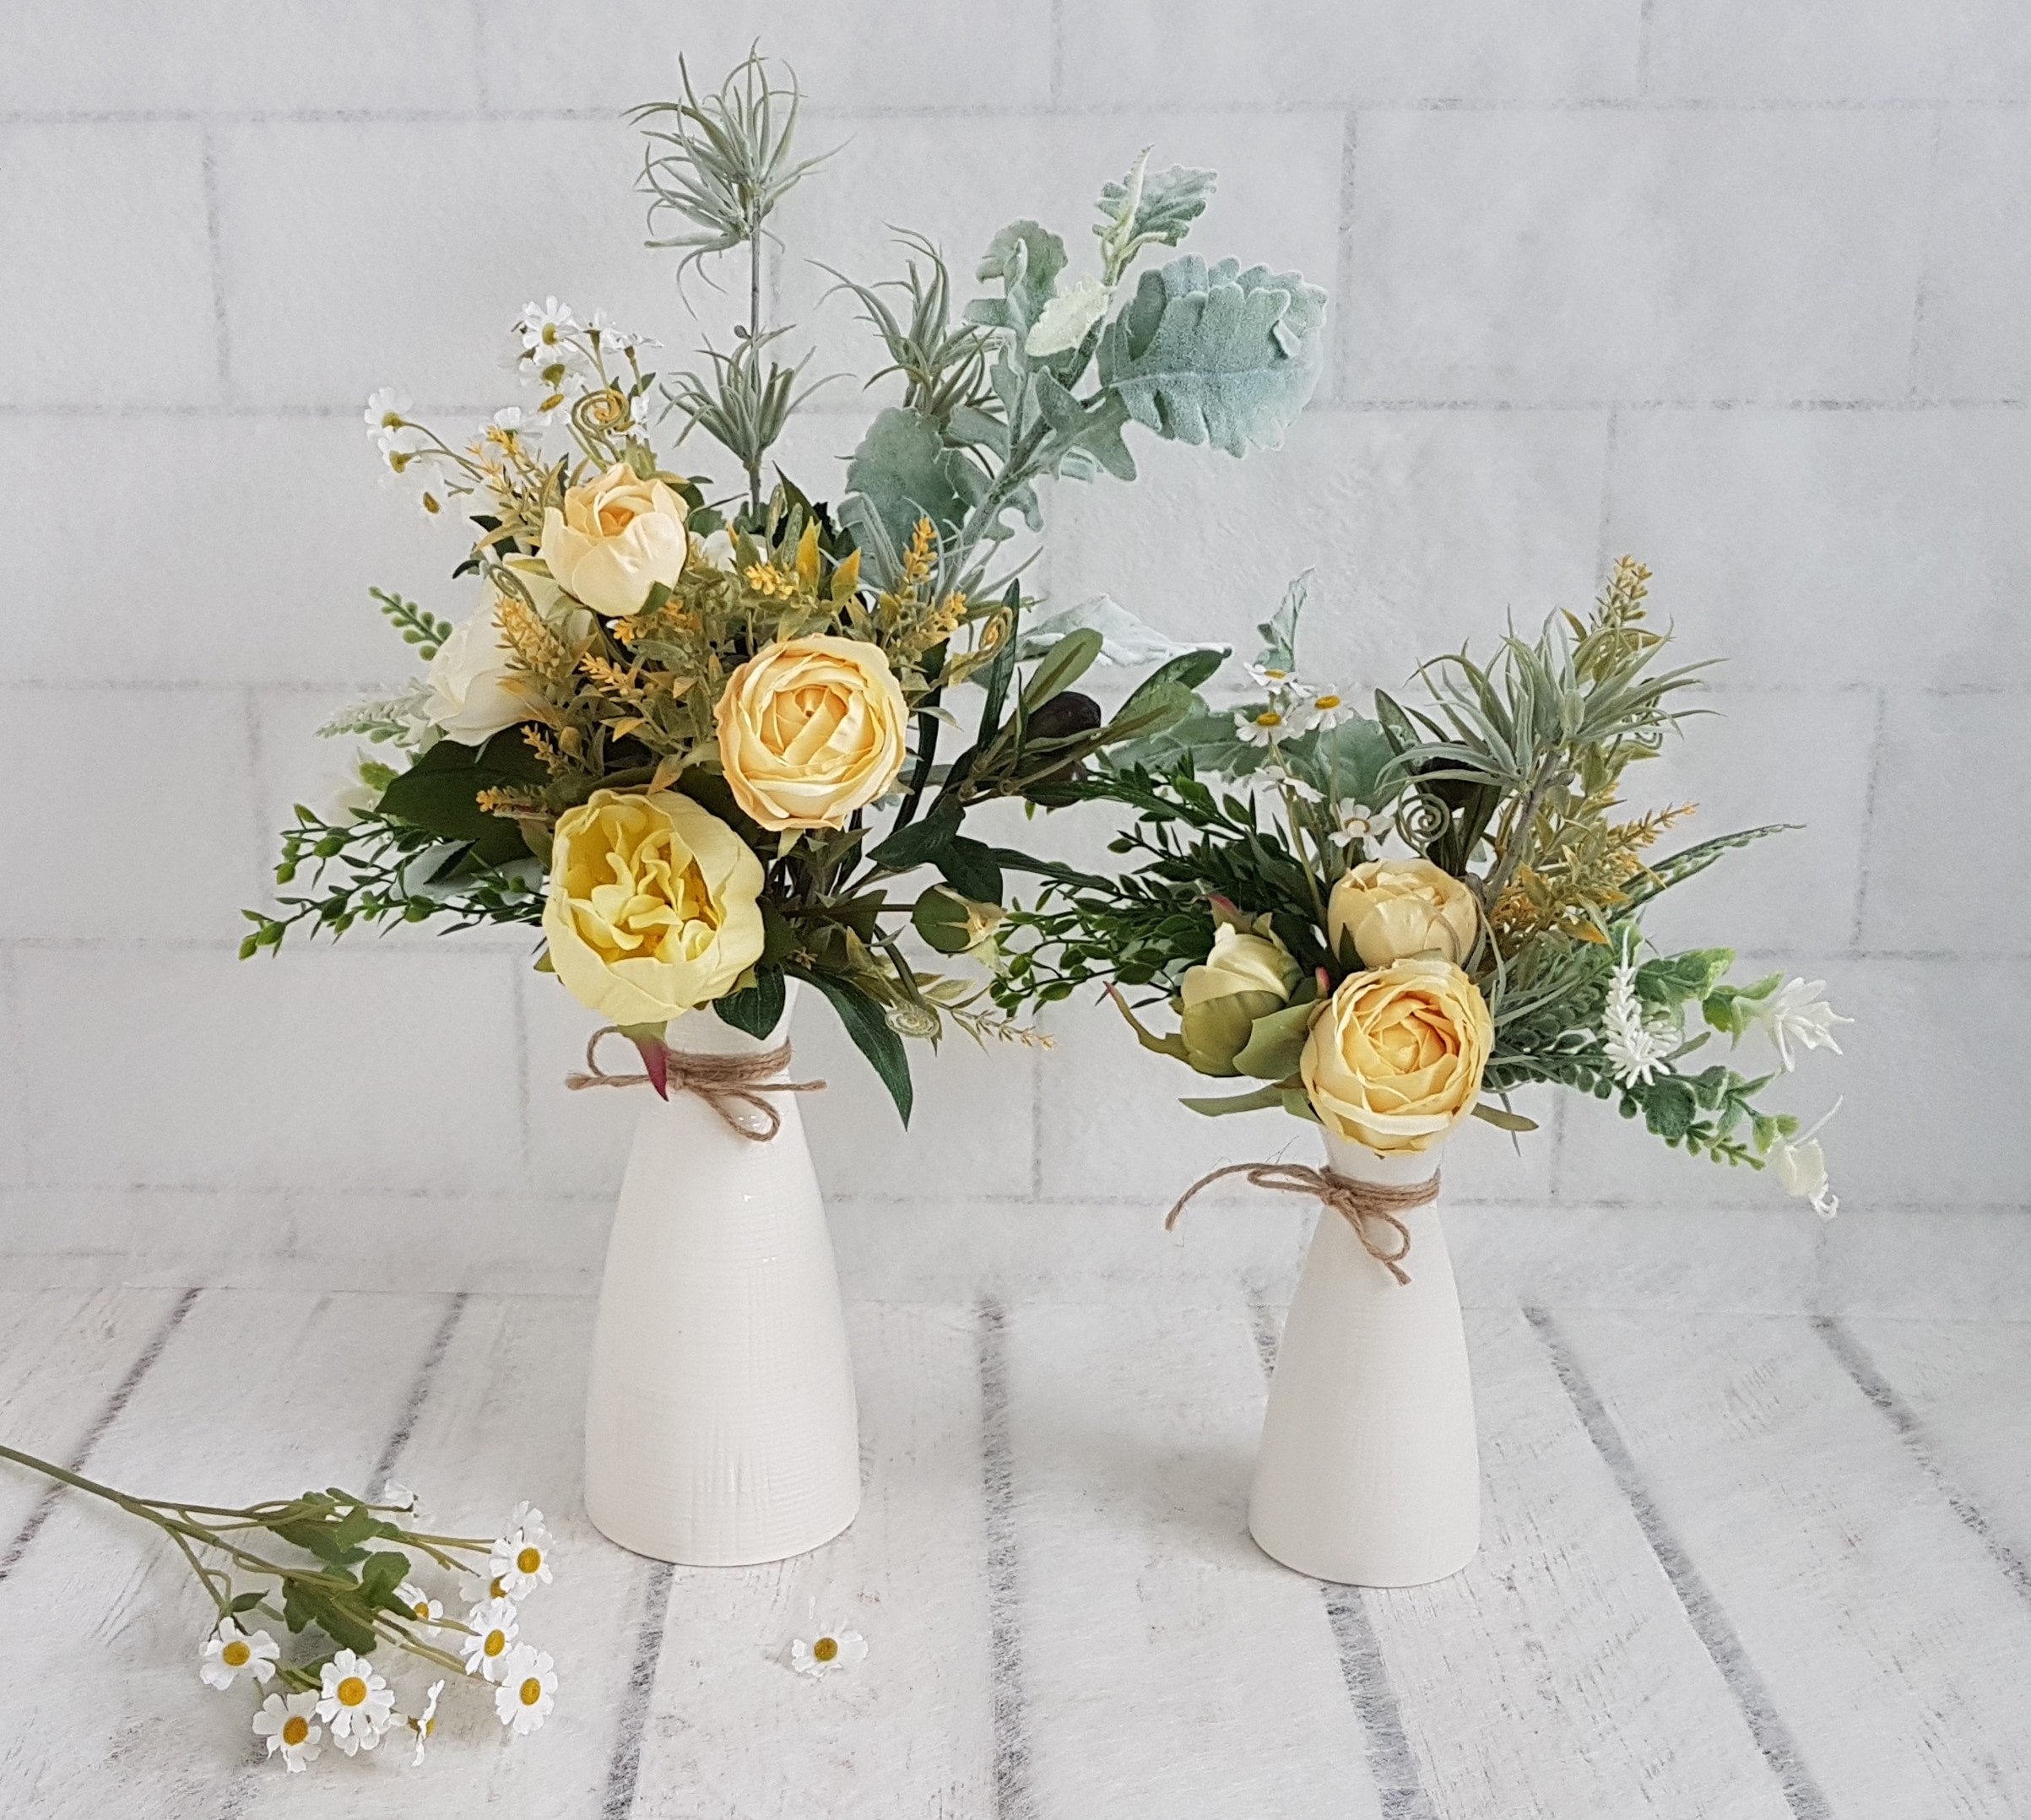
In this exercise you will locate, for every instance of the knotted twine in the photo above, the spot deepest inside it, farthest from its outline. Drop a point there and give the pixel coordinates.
(722, 1081)
(1358, 1203)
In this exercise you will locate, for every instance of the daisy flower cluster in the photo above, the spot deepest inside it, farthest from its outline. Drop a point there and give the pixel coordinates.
(345, 1703)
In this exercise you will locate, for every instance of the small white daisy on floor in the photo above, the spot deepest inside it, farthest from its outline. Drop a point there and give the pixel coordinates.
(528, 1690)
(286, 1723)
(828, 1650)
(494, 1627)
(229, 1652)
(422, 1608)
(357, 1703)
(520, 1560)
(424, 1724)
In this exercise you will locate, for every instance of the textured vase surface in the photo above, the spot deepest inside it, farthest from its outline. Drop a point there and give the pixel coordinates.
(721, 1427)
(1369, 1474)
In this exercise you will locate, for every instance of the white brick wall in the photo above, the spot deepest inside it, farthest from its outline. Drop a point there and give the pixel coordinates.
(1744, 290)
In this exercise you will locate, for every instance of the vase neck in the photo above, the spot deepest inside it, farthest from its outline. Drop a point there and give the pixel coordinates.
(705, 1033)
(1396, 1169)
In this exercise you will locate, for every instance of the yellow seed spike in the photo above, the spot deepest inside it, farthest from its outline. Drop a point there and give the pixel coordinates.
(807, 556)
(846, 578)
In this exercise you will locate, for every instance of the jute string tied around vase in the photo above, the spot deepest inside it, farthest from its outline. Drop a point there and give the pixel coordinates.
(1362, 1204)
(724, 1082)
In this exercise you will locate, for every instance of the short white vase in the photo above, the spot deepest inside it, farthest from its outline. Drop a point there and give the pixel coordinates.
(1369, 1475)
(721, 1426)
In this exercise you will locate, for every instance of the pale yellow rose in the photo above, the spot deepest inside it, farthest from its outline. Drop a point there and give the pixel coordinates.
(1394, 908)
(1394, 1061)
(1246, 976)
(653, 906)
(616, 537)
(811, 729)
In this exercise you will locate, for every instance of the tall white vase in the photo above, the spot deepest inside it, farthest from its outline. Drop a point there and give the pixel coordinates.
(1369, 1473)
(721, 1427)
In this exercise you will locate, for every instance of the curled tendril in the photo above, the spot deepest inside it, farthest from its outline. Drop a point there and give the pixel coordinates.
(507, 583)
(596, 415)
(1420, 819)
(912, 1020)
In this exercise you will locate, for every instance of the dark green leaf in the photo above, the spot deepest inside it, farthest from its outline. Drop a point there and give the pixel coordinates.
(941, 918)
(969, 868)
(758, 1010)
(869, 1026)
(920, 843)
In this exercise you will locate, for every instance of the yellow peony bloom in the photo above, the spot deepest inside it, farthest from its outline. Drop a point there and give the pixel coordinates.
(1394, 1061)
(1395, 909)
(616, 537)
(653, 906)
(811, 729)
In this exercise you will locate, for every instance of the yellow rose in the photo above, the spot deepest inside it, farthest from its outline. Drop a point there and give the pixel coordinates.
(1394, 1061)
(653, 906)
(811, 729)
(616, 537)
(1395, 909)
(1244, 977)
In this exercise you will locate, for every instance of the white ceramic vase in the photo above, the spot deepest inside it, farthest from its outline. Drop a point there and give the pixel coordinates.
(1369, 1474)
(721, 1427)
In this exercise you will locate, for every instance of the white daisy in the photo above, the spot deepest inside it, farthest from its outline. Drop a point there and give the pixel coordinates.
(612, 339)
(520, 1560)
(717, 550)
(1328, 710)
(425, 1723)
(286, 1723)
(1280, 778)
(424, 1609)
(528, 1690)
(508, 421)
(386, 414)
(397, 1495)
(494, 1627)
(1357, 822)
(1798, 1012)
(828, 1650)
(546, 331)
(357, 1703)
(1276, 681)
(229, 1652)
(1263, 726)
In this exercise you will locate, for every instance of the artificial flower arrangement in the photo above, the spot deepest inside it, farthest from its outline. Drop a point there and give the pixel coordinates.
(348, 1573)
(1382, 993)
(698, 739)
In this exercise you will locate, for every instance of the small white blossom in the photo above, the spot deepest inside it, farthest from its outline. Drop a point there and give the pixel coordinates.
(229, 1652)
(424, 1609)
(1356, 822)
(286, 1723)
(1061, 324)
(356, 1702)
(1264, 726)
(717, 550)
(425, 1723)
(1801, 1165)
(1798, 1012)
(1282, 778)
(612, 339)
(1635, 1048)
(1276, 681)
(1327, 710)
(545, 330)
(520, 1560)
(828, 1650)
(528, 1690)
(506, 421)
(387, 426)
(494, 1627)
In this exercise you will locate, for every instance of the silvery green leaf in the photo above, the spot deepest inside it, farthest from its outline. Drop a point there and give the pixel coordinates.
(1214, 354)
(1280, 630)
(897, 476)
(1125, 641)
(1091, 431)
(1025, 258)
(1162, 207)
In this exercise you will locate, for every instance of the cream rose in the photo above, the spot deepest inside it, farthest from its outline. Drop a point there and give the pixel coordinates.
(811, 729)
(1394, 908)
(1244, 977)
(653, 906)
(1394, 1060)
(470, 699)
(616, 537)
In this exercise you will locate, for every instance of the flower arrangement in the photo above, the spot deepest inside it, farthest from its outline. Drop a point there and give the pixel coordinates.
(349, 1575)
(1383, 993)
(696, 738)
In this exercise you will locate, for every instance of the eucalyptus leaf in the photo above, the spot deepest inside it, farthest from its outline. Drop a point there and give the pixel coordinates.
(1068, 659)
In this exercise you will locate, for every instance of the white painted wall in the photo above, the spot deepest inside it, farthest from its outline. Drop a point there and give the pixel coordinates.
(1744, 290)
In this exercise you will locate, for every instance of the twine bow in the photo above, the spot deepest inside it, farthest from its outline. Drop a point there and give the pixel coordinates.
(722, 1081)
(1358, 1203)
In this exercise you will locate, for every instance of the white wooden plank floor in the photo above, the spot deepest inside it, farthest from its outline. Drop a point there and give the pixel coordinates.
(1736, 1568)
